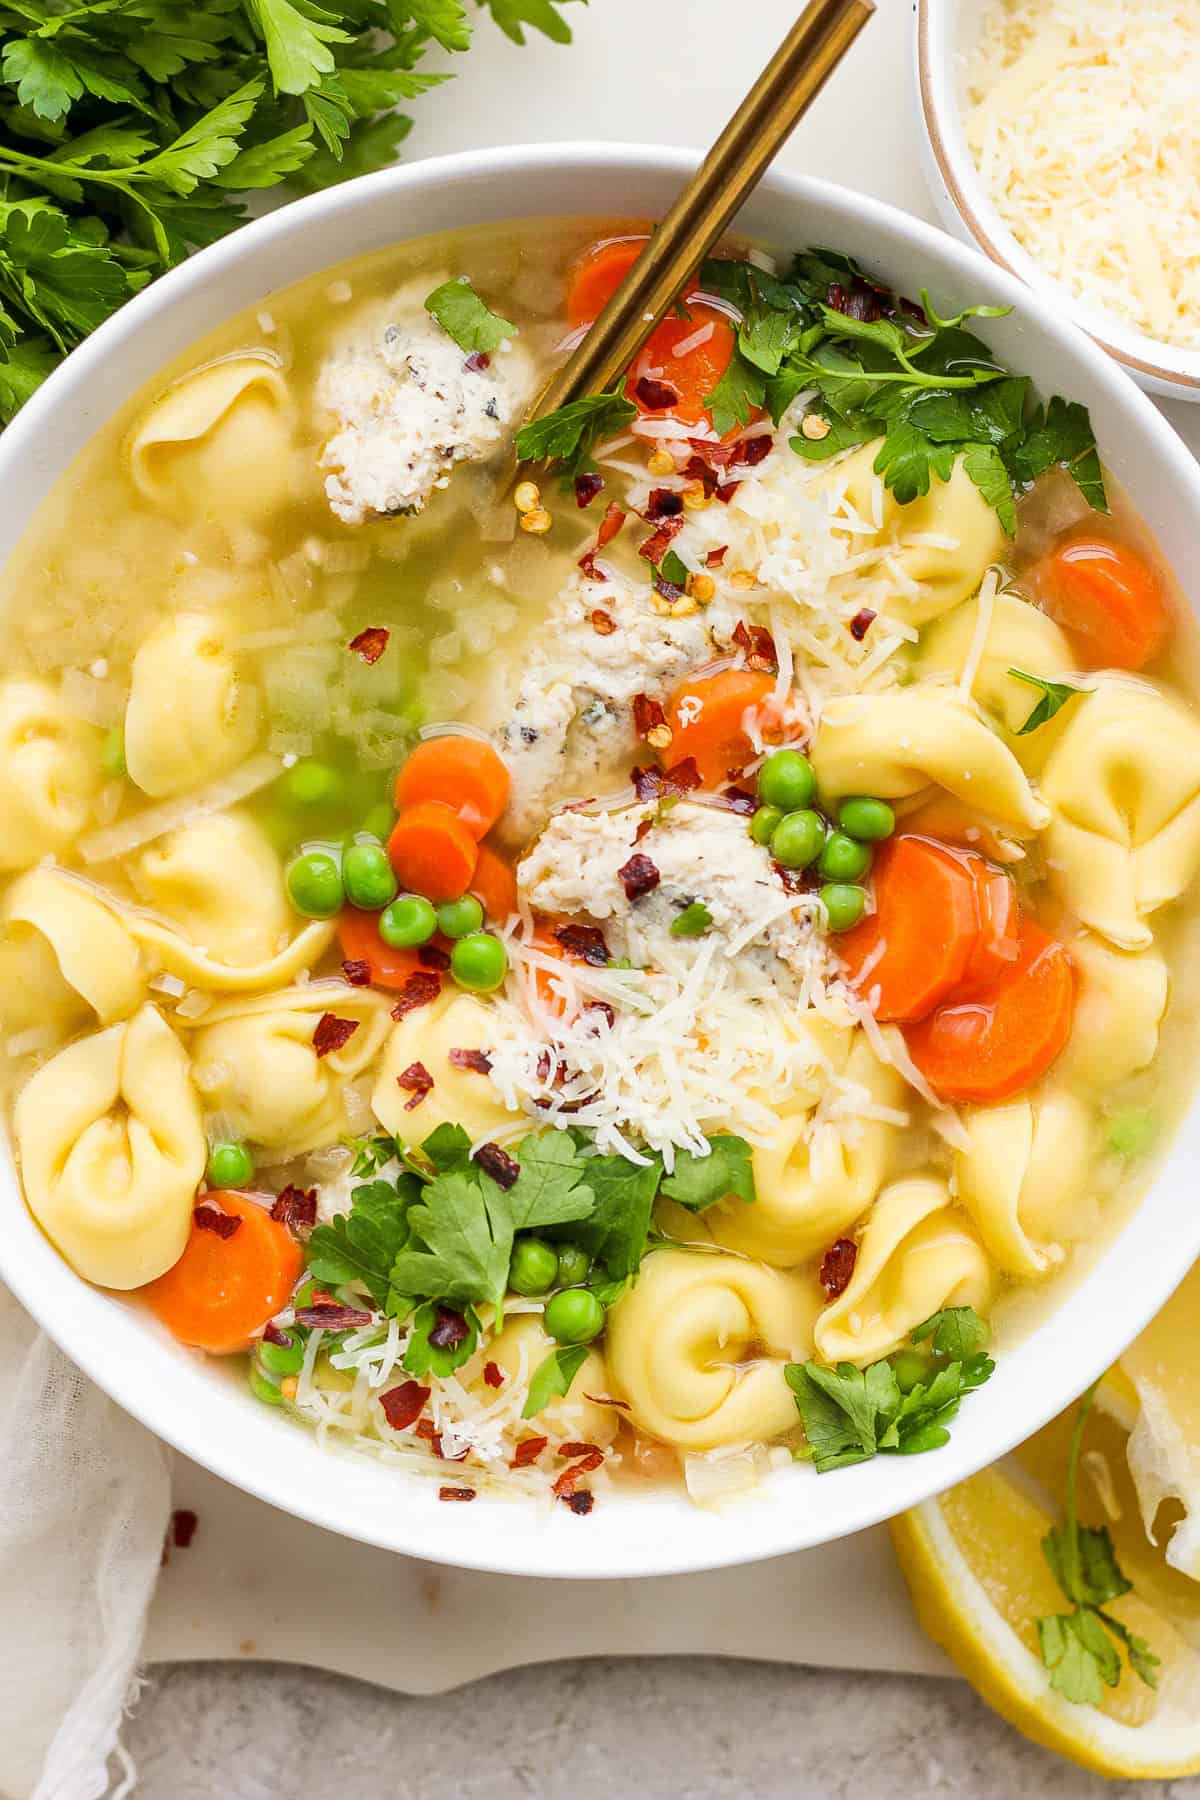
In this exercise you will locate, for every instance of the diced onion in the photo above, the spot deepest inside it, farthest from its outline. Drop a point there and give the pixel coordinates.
(115, 841)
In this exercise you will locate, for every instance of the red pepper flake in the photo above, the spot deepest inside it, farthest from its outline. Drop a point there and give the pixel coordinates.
(644, 828)
(432, 956)
(497, 1163)
(604, 1009)
(715, 558)
(610, 524)
(477, 362)
(326, 1315)
(751, 451)
(861, 623)
(587, 486)
(357, 972)
(608, 1400)
(659, 784)
(585, 942)
(603, 623)
(570, 1478)
(670, 590)
(725, 494)
(703, 471)
(837, 1266)
(183, 1527)
(493, 1375)
(273, 1335)
(741, 800)
(859, 301)
(757, 646)
(419, 990)
(527, 1451)
(211, 1218)
(296, 1208)
(566, 1451)
(429, 1435)
(478, 1061)
(664, 503)
(581, 1503)
(449, 1328)
(417, 1081)
(370, 644)
(404, 1404)
(638, 876)
(654, 395)
(587, 562)
(456, 1493)
(657, 545)
(333, 1033)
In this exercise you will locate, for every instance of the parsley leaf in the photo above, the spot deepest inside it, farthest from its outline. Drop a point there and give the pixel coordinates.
(550, 1188)
(693, 921)
(363, 1244)
(616, 1231)
(553, 1377)
(466, 1234)
(725, 1173)
(740, 390)
(1055, 695)
(447, 1147)
(464, 317)
(569, 435)
(371, 1153)
(423, 1358)
(956, 1331)
(672, 568)
(1061, 432)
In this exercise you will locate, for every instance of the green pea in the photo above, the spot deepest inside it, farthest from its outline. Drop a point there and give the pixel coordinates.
(844, 904)
(762, 825)
(367, 873)
(786, 780)
(262, 1387)
(533, 1267)
(868, 820)
(910, 1369)
(310, 783)
(379, 820)
(843, 859)
(303, 1295)
(798, 839)
(574, 1316)
(112, 754)
(282, 1359)
(314, 884)
(479, 962)
(573, 1265)
(407, 922)
(459, 918)
(230, 1166)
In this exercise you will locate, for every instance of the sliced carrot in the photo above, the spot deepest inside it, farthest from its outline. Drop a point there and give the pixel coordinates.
(599, 273)
(390, 966)
(432, 852)
(1108, 597)
(495, 885)
(996, 1044)
(998, 943)
(914, 949)
(708, 718)
(223, 1290)
(463, 773)
(690, 375)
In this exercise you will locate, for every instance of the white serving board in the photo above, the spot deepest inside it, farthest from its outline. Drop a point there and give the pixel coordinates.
(256, 1582)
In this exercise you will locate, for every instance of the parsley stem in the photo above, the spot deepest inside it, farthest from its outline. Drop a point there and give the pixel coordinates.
(1071, 1557)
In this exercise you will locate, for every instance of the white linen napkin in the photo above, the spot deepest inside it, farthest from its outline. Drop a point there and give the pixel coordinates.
(85, 1498)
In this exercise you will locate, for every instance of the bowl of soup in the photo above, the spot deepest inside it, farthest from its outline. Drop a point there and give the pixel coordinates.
(626, 1020)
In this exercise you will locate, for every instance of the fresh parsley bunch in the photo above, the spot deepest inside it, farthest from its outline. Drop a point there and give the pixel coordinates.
(128, 129)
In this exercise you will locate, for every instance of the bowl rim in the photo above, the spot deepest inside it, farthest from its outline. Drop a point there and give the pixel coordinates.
(1176, 367)
(188, 1413)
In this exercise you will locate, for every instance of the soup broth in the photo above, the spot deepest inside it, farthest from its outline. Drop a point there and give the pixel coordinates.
(532, 974)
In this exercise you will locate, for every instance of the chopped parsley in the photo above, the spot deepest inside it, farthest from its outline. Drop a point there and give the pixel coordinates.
(568, 436)
(693, 921)
(553, 1377)
(467, 319)
(1055, 695)
(727, 1172)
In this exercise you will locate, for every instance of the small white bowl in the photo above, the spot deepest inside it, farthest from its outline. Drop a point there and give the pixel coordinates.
(193, 1403)
(946, 30)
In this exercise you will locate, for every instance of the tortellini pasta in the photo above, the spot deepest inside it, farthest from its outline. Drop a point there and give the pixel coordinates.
(220, 881)
(64, 956)
(191, 714)
(112, 1149)
(816, 1176)
(697, 1347)
(519, 1349)
(900, 744)
(1123, 784)
(217, 445)
(1120, 1001)
(49, 773)
(255, 1063)
(1023, 1177)
(935, 549)
(917, 1254)
(1020, 636)
(456, 1021)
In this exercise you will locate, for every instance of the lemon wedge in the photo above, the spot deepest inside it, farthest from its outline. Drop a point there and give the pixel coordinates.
(1164, 1445)
(973, 1561)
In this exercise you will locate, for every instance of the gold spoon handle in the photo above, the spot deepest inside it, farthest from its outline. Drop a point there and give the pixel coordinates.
(704, 209)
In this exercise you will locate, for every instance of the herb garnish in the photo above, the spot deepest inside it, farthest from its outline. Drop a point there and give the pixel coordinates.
(693, 921)
(851, 1414)
(1055, 695)
(569, 435)
(467, 319)
(553, 1376)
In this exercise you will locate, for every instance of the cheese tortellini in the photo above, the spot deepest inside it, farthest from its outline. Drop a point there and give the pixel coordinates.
(903, 743)
(1119, 1005)
(218, 444)
(255, 1063)
(817, 1175)
(520, 1348)
(1123, 785)
(456, 1021)
(64, 957)
(917, 1254)
(935, 549)
(1020, 636)
(191, 714)
(697, 1347)
(1024, 1176)
(49, 773)
(112, 1149)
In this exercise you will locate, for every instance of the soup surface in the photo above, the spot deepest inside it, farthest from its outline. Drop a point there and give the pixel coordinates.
(560, 981)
